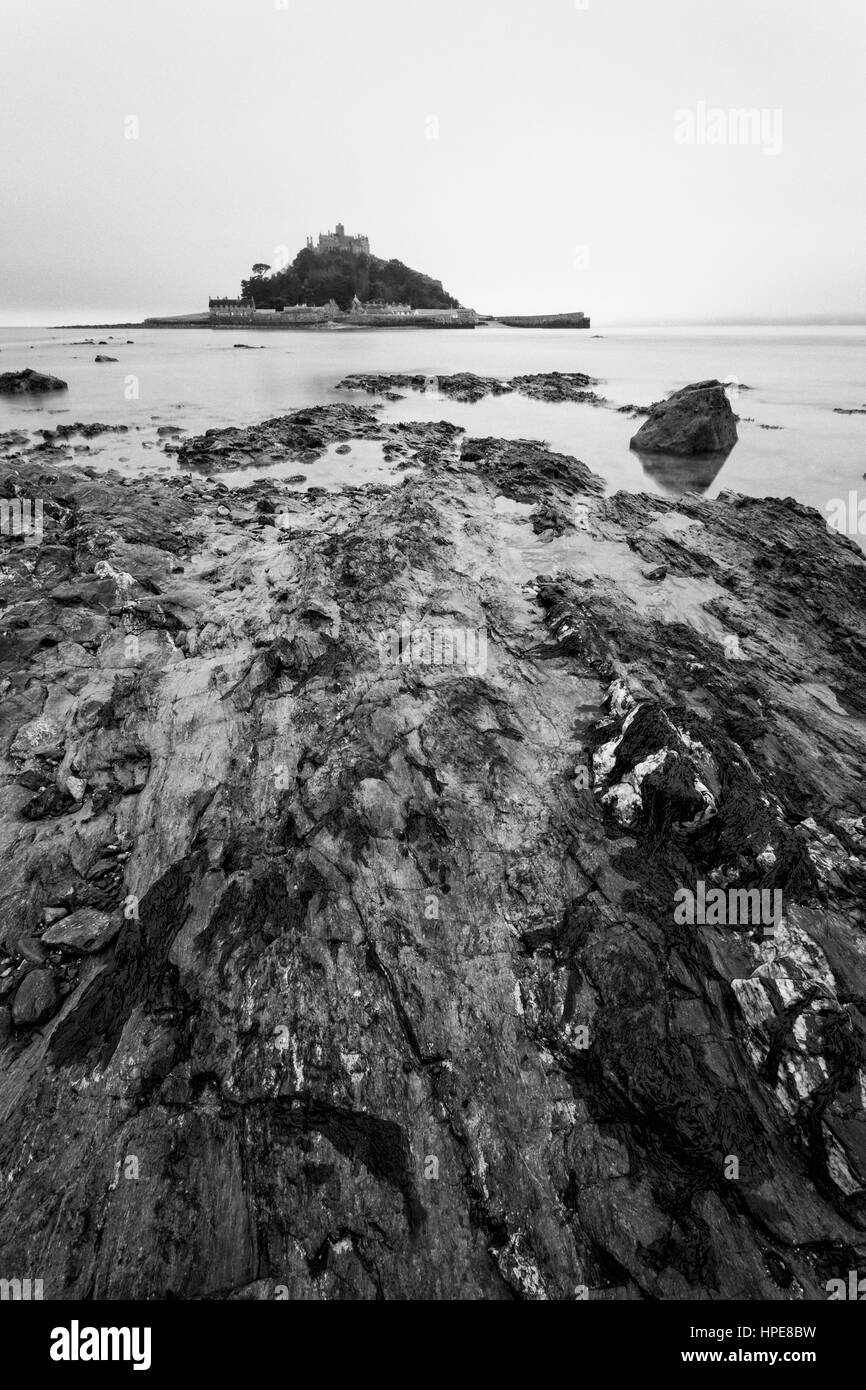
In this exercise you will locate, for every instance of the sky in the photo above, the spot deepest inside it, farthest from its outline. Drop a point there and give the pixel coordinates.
(534, 155)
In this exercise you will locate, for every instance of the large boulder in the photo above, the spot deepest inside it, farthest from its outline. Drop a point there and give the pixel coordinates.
(28, 380)
(696, 420)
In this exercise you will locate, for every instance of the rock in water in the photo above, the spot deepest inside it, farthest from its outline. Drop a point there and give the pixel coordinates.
(15, 383)
(696, 420)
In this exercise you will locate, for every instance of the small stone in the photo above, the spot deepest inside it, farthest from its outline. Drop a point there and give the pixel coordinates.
(53, 914)
(76, 786)
(86, 930)
(32, 950)
(36, 999)
(659, 572)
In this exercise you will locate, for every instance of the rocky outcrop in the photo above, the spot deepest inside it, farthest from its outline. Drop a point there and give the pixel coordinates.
(466, 386)
(461, 386)
(16, 383)
(558, 386)
(86, 429)
(696, 420)
(399, 1003)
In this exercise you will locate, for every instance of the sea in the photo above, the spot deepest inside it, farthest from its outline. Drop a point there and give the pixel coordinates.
(787, 385)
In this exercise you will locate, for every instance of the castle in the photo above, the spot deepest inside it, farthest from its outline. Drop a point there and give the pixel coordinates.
(338, 241)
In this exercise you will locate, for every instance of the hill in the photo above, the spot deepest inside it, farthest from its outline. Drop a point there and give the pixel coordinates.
(315, 277)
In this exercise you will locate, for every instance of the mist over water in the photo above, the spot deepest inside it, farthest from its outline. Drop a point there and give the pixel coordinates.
(785, 385)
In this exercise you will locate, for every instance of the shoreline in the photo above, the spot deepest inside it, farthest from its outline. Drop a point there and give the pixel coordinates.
(361, 910)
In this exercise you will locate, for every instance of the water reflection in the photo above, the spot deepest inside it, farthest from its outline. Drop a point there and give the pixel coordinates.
(675, 474)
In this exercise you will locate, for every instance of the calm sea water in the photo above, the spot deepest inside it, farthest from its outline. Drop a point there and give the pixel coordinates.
(197, 379)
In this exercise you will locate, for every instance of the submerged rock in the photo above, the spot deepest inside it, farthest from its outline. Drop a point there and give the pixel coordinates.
(696, 420)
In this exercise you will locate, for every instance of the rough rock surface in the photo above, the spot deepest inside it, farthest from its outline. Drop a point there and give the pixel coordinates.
(399, 1007)
(85, 930)
(28, 380)
(35, 999)
(466, 386)
(696, 420)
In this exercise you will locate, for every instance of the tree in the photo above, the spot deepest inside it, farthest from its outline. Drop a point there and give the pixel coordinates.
(260, 269)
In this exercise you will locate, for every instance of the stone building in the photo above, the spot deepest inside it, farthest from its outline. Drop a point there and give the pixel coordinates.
(380, 306)
(339, 241)
(230, 308)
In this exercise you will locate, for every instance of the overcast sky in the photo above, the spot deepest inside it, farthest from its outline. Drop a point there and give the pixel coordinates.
(536, 156)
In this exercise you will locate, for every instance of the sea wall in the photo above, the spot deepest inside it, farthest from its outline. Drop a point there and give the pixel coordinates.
(576, 320)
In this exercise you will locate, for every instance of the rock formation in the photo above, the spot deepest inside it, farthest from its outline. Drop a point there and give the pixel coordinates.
(466, 386)
(332, 969)
(15, 383)
(696, 420)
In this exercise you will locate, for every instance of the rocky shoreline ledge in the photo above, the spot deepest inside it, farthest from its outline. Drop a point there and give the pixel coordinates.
(331, 970)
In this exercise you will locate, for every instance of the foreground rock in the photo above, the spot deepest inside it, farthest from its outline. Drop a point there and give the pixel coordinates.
(85, 931)
(16, 383)
(35, 1000)
(307, 435)
(400, 1005)
(696, 420)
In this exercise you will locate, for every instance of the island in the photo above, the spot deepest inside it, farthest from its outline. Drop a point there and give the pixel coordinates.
(337, 282)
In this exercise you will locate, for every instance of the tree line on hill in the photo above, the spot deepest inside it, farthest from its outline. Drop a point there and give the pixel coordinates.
(317, 277)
